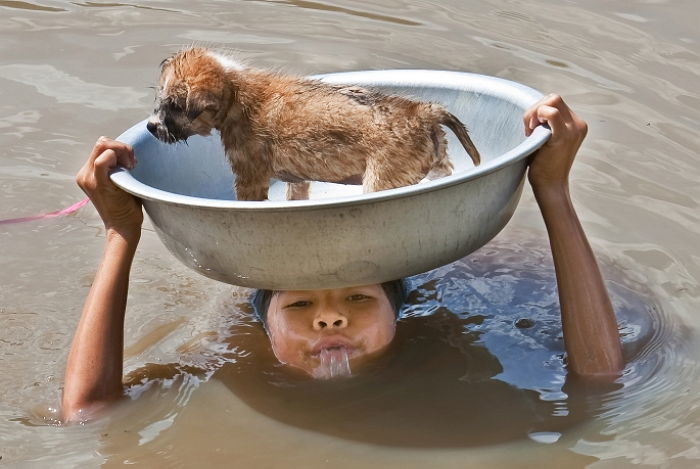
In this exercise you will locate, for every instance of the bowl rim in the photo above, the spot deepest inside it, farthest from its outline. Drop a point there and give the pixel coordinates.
(462, 81)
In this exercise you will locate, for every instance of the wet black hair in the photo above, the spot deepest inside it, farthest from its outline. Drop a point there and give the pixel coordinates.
(395, 291)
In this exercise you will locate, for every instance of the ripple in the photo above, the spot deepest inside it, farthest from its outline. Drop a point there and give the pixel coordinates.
(117, 5)
(27, 6)
(632, 17)
(67, 89)
(632, 72)
(232, 37)
(557, 62)
(309, 5)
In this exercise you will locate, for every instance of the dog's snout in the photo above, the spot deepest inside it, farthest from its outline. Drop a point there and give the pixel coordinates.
(165, 130)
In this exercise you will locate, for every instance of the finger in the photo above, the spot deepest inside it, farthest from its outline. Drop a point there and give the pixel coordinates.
(106, 161)
(526, 124)
(98, 148)
(125, 155)
(552, 100)
(556, 101)
(527, 118)
(530, 120)
(552, 117)
(125, 152)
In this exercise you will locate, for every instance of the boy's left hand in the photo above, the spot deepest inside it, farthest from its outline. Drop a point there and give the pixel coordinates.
(551, 163)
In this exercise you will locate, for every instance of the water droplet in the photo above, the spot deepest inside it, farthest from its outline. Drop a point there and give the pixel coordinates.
(335, 362)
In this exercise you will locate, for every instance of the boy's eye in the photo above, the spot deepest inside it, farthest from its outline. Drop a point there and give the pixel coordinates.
(358, 297)
(299, 304)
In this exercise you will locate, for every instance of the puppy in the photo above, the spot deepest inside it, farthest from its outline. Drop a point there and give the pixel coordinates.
(299, 130)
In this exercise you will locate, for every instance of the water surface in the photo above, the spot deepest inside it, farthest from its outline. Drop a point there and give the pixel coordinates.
(72, 71)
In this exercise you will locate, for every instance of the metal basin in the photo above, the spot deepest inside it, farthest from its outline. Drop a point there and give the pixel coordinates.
(341, 237)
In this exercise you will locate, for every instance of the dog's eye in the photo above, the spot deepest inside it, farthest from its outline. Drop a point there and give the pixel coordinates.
(173, 106)
(192, 114)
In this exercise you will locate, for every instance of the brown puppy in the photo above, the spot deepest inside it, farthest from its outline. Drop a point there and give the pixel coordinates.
(300, 130)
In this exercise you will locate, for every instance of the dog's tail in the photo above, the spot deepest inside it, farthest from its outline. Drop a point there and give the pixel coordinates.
(456, 126)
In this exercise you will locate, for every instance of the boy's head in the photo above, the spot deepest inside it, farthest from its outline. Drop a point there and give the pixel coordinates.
(306, 325)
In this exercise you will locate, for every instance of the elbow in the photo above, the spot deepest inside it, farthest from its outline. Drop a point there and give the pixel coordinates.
(83, 409)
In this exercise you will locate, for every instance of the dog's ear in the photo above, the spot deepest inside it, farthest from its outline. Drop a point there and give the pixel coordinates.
(197, 103)
(166, 61)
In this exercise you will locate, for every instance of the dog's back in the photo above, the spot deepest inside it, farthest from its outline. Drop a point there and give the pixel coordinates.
(332, 132)
(297, 129)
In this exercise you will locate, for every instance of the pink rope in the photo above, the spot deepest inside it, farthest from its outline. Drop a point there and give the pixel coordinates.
(73, 208)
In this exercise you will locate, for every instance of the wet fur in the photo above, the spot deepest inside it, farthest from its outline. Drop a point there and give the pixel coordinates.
(300, 130)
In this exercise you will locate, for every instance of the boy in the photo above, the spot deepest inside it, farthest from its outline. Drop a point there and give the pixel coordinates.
(359, 322)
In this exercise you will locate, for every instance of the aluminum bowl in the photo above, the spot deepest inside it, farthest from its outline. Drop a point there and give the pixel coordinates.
(341, 237)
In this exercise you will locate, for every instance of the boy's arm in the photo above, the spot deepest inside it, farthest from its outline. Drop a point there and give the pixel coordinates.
(590, 330)
(94, 370)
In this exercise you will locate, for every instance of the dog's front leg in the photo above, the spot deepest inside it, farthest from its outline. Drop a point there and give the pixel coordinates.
(252, 178)
(252, 189)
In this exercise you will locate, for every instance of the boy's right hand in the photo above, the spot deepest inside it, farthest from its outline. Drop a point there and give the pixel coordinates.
(121, 212)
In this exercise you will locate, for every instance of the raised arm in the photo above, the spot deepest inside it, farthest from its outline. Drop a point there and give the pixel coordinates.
(590, 330)
(94, 370)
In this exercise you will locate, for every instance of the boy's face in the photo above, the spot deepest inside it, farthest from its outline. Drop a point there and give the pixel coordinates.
(305, 325)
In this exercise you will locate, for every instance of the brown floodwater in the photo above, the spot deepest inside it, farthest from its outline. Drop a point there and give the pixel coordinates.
(476, 376)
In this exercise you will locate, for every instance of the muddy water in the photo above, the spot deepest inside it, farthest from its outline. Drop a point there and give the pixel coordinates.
(71, 71)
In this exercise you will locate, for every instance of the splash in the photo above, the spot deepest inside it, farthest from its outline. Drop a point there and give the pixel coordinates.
(335, 362)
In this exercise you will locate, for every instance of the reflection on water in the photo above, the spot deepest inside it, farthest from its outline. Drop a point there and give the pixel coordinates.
(477, 361)
(71, 71)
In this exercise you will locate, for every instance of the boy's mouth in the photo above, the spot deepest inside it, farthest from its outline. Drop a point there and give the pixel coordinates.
(333, 359)
(333, 345)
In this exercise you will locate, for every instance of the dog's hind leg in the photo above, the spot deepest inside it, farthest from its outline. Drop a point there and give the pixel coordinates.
(440, 164)
(440, 171)
(381, 175)
(298, 190)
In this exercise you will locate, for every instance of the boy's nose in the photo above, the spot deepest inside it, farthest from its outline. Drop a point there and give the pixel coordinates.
(330, 320)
